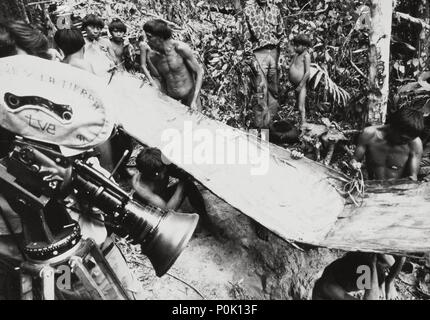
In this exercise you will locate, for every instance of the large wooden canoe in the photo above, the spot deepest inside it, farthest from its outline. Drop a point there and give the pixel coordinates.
(299, 200)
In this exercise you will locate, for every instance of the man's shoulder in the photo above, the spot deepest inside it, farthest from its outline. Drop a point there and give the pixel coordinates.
(416, 144)
(372, 130)
(182, 47)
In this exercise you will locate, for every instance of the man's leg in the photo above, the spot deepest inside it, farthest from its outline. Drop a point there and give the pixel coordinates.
(259, 100)
(273, 84)
(301, 103)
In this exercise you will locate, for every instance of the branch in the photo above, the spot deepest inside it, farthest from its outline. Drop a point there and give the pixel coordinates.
(404, 16)
(357, 69)
(305, 12)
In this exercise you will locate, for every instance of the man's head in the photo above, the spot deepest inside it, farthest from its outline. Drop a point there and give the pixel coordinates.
(69, 41)
(157, 31)
(301, 42)
(117, 29)
(405, 125)
(18, 37)
(150, 164)
(93, 26)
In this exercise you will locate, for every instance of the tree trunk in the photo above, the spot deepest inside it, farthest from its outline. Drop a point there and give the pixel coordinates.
(425, 36)
(13, 9)
(379, 57)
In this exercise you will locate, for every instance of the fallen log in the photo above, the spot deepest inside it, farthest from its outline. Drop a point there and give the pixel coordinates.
(298, 200)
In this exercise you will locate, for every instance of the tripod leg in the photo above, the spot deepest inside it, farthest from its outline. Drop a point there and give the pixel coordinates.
(26, 286)
(109, 273)
(47, 275)
(84, 276)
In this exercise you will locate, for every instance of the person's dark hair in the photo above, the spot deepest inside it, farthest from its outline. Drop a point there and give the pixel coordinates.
(92, 20)
(158, 28)
(149, 162)
(69, 41)
(408, 121)
(117, 24)
(19, 34)
(302, 39)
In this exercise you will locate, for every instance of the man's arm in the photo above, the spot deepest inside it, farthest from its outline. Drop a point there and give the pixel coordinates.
(390, 289)
(307, 66)
(280, 30)
(360, 151)
(186, 53)
(415, 155)
(373, 292)
(246, 35)
(177, 198)
(147, 195)
(144, 50)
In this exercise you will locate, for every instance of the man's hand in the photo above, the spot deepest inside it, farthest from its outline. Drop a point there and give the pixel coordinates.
(296, 155)
(135, 181)
(193, 105)
(356, 165)
(54, 55)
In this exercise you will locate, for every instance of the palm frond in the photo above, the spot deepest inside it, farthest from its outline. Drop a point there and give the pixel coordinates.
(339, 95)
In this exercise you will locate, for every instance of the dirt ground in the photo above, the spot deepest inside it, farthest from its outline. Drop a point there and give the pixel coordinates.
(210, 269)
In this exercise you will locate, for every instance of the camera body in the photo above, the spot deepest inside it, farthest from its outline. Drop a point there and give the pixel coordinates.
(35, 175)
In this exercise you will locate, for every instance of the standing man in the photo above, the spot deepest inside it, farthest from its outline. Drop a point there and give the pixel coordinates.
(174, 64)
(263, 28)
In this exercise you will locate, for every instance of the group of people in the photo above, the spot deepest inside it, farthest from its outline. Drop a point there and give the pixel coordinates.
(392, 151)
(168, 65)
(152, 184)
(171, 66)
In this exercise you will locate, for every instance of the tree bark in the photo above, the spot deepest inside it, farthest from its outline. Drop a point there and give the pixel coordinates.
(13, 9)
(379, 57)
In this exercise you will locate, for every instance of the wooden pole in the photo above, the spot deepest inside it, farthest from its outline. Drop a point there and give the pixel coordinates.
(379, 57)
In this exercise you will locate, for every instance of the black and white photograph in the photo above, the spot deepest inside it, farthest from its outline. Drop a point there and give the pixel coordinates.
(216, 155)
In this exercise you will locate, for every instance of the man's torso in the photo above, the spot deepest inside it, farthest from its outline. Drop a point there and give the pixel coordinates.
(385, 161)
(173, 70)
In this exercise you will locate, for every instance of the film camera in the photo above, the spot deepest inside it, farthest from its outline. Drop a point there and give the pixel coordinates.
(38, 180)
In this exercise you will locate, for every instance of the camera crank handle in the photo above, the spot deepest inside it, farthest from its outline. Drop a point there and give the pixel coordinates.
(125, 154)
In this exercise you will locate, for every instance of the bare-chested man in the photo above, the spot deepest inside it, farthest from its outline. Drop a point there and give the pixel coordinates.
(174, 64)
(392, 152)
